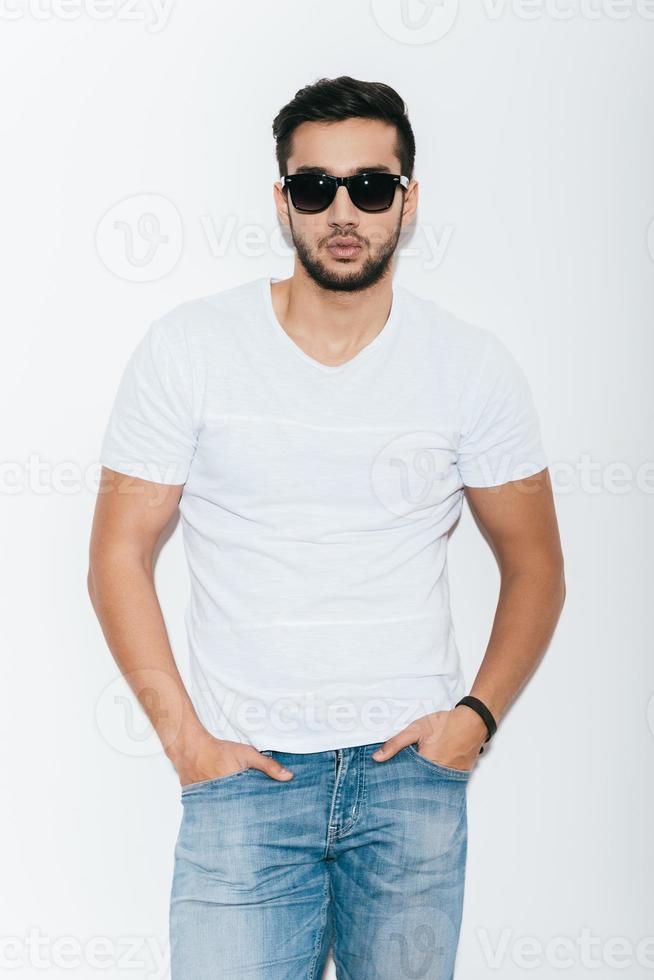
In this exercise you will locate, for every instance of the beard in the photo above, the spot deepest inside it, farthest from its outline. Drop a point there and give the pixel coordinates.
(374, 268)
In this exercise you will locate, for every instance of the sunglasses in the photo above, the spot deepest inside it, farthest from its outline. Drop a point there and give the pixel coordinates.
(372, 192)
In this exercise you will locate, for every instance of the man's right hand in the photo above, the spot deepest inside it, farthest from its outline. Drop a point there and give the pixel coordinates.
(207, 757)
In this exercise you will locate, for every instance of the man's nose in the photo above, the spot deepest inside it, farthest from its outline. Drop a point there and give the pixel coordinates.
(342, 210)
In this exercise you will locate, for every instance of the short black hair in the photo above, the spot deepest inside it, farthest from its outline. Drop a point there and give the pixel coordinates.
(335, 99)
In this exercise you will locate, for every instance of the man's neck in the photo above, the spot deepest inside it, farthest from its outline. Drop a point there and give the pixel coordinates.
(330, 326)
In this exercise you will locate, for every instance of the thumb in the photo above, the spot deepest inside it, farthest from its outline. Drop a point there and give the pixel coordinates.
(273, 768)
(392, 746)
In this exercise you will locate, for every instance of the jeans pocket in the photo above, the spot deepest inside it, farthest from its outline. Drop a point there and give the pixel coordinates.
(216, 781)
(219, 780)
(439, 769)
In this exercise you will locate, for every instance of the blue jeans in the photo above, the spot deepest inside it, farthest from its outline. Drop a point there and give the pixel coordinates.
(367, 856)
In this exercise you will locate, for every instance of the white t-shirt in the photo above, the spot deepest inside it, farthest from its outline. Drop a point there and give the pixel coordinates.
(316, 506)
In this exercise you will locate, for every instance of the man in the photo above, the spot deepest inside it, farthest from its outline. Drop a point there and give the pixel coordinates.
(318, 435)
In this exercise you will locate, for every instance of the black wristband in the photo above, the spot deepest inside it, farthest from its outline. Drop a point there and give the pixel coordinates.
(481, 710)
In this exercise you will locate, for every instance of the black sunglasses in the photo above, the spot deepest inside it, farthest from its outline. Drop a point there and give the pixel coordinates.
(312, 193)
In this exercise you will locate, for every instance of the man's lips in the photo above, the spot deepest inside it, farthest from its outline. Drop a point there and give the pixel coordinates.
(344, 248)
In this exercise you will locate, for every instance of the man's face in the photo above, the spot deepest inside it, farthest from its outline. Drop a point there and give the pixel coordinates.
(340, 149)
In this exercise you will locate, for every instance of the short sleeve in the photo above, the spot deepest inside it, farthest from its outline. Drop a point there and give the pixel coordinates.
(500, 436)
(150, 432)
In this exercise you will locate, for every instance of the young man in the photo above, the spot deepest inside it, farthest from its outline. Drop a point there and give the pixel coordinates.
(318, 434)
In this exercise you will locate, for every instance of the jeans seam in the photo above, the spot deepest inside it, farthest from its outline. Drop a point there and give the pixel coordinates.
(360, 798)
(321, 928)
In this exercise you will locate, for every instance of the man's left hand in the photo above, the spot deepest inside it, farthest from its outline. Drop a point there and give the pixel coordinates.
(450, 738)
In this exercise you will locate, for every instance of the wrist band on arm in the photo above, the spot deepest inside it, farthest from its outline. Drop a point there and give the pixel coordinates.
(481, 710)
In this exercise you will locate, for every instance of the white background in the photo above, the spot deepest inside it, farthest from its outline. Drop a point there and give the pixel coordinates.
(535, 158)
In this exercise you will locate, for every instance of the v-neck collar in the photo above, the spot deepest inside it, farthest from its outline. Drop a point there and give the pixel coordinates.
(375, 344)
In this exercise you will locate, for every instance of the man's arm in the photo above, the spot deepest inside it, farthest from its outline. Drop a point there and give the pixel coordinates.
(130, 515)
(519, 520)
(520, 523)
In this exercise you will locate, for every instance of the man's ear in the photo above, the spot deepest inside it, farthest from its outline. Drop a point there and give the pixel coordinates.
(281, 202)
(410, 202)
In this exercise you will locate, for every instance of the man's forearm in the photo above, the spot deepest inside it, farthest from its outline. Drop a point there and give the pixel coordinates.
(125, 601)
(528, 609)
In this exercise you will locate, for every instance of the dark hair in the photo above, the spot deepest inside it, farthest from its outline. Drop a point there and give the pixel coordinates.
(335, 99)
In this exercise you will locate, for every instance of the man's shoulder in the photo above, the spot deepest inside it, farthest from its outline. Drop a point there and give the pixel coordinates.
(209, 313)
(439, 324)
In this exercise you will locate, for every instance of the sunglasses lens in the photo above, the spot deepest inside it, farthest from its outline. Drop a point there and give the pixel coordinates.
(311, 192)
(373, 192)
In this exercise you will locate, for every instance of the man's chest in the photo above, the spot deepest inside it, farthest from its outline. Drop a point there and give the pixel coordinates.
(358, 472)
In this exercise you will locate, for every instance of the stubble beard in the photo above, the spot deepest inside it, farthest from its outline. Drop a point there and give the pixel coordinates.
(371, 271)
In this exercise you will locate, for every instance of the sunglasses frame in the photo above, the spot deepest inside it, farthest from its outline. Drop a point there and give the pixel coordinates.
(399, 179)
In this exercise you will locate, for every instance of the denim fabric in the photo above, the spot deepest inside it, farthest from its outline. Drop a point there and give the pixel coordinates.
(365, 857)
